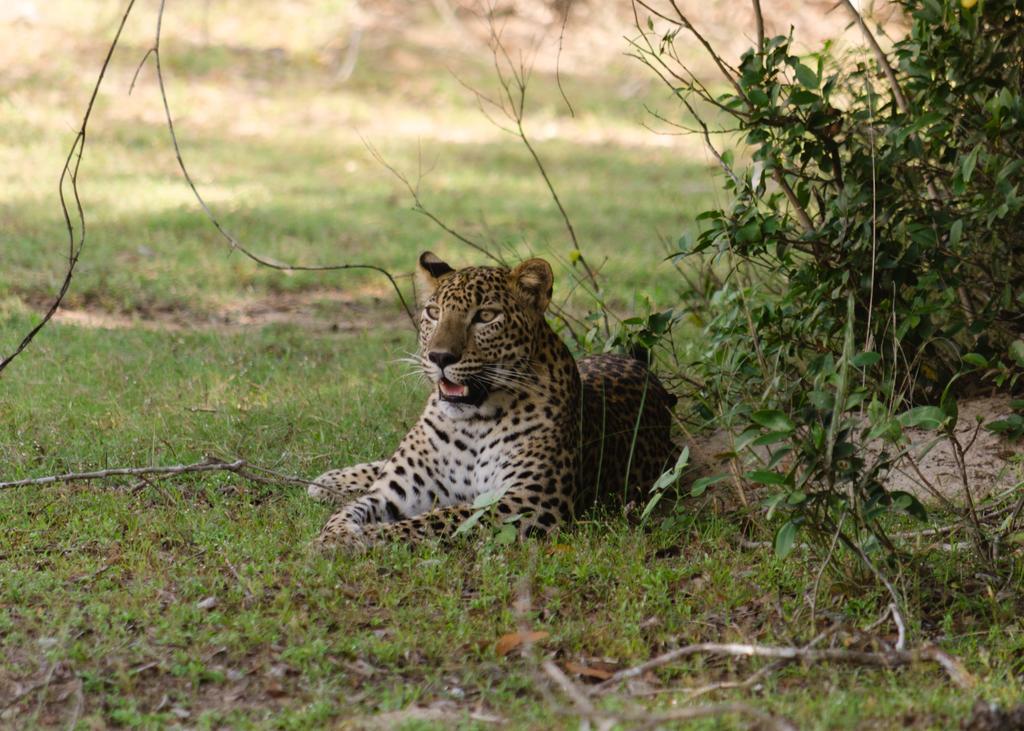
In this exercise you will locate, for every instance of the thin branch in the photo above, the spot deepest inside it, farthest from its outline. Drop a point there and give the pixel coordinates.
(759, 25)
(801, 213)
(70, 173)
(225, 234)
(418, 206)
(883, 62)
(890, 74)
(645, 719)
(821, 570)
(558, 60)
(516, 113)
(205, 466)
(890, 659)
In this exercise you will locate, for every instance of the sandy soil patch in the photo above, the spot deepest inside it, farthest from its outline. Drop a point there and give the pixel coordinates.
(929, 471)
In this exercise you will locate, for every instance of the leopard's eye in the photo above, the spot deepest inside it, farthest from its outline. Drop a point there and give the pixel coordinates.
(432, 312)
(485, 316)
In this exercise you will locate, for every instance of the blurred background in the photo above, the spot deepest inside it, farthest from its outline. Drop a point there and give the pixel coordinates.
(276, 103)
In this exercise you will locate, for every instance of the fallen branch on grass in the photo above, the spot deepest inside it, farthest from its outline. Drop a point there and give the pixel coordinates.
(238, 466)
(886, 659)
(645, 719)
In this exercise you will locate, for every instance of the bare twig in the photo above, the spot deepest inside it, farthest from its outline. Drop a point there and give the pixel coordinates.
(901, 630)
(759, 25)
(558, 59)
(76, 711)
(69, 174)
(978, 533)
(205, 466)
(890, 75)
(883, 62)
(646, 719)
(418, 206)
(232, 241)
(890, 659)
(238, 577)
(824, 565)
(514, 80)
(565, 684)
(33, 687)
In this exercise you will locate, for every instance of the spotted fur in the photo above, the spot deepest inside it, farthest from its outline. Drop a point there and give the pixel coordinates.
(511, 413)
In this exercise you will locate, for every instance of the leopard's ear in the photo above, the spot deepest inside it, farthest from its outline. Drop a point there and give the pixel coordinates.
(532, 281)
(428, 274)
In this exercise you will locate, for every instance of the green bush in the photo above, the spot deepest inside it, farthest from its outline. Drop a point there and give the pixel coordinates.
(868, 267)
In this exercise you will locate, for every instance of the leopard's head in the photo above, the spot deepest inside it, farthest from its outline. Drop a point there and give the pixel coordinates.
(479, 327)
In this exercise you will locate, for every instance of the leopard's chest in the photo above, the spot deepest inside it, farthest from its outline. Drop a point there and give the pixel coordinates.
(481, 456)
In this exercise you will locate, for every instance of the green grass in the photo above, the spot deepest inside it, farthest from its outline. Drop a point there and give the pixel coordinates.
(104, 581)
(105, 586)
(275, 144)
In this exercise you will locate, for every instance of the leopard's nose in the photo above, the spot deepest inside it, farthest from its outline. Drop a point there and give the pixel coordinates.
(442, 358)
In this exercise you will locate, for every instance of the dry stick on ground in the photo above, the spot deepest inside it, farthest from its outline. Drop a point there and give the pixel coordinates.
(887, 659)
(225, 234)
(239, 466)
(647, 719)
(69, 173)
(205, 466)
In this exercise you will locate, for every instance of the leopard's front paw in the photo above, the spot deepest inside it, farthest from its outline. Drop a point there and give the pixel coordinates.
(324, 488)
(342, 534)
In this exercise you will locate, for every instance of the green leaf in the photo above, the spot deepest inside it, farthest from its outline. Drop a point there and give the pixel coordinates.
(908, 504)
(772, 437)
(975, 359)
(925, 417)
(489, 498)
(796, 497)
(956, 231)
(806, 77)
(744, 439)
(951, 408)
(506, 535)
(822, 400)
(699, 487)
(773, 419)
(866, 359)
(785, 539)
(801, 97)
(468, 523)
(967, 166)
(766, 477)
(757, 97)
(772, 503)
(1017, 351)
(1013, 424)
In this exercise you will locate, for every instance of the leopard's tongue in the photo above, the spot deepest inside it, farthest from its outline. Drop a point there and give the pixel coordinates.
(453, 389)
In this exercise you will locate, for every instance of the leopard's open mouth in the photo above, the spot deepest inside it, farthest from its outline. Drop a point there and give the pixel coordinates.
(461, 393)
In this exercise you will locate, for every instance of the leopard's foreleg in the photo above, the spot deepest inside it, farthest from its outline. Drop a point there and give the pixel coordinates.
(342, 486)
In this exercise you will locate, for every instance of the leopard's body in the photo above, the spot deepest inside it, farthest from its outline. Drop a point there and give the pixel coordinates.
(512, 414)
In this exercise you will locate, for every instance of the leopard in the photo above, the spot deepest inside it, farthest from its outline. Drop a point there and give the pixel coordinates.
(513, 421)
